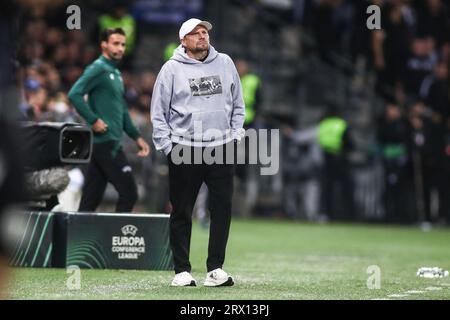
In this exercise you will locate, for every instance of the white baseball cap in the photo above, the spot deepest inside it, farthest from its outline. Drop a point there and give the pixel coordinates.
(190, 25)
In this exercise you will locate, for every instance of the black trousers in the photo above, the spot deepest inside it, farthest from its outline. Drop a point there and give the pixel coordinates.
(103, 168)
(399, 190)
(185, 181)
(337, 188)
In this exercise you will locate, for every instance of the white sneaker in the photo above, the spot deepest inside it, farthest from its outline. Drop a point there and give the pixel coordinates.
(218, 278)
(183, 279)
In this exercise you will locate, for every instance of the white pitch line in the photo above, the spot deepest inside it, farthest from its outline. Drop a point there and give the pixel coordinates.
(445, 284)
(398, 295)
(433, 288)
(407, 293)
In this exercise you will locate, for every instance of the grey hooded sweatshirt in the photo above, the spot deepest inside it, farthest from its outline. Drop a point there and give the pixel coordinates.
(197, 103)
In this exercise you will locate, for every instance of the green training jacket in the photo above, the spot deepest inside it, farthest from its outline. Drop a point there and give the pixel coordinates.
(102, 83)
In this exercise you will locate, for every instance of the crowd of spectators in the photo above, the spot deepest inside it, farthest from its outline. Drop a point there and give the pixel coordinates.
(53, 57)
(410, 57)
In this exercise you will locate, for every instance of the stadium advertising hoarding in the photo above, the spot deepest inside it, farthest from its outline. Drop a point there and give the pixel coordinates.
(94, 240)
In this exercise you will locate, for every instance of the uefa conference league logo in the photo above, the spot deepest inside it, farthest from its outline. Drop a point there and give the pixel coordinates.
(129, 229)
(128, 246)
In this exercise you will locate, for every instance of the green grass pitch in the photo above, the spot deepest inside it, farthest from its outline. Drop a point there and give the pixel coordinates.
(272, 259)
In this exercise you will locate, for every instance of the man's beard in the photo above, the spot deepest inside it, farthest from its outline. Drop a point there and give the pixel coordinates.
(200, 49)
(114, 57)
(117, 58)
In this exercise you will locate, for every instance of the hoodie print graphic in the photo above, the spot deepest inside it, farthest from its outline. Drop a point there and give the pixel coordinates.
(205, 86)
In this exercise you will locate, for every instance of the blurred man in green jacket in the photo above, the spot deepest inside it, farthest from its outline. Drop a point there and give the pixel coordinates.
(108, 115)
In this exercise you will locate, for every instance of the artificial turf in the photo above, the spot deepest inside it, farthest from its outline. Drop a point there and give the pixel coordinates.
(273, 259)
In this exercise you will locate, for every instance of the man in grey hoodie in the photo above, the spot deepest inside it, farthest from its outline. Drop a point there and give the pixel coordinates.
(197, 105)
